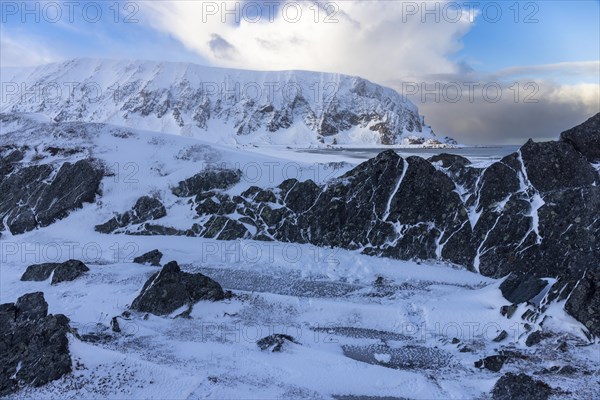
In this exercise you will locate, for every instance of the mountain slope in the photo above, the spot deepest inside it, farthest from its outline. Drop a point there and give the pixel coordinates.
(220, 105)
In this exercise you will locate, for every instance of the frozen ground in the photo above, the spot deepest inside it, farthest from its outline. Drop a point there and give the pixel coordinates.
(393, 338)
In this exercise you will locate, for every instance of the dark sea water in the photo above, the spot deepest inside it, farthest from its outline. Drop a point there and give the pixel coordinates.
(475, 154)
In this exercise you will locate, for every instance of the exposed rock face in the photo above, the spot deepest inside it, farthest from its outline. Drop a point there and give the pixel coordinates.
(171, 288)
(145, 209)
(152, 257)
(207, 180)
(493, 363)
(38, 195)
(520, 288)
(585, 138)
(67, 271)
(34, 348)
(39, 272)
(529, 216)
(520, 387)
(183, 100)
(584, 301)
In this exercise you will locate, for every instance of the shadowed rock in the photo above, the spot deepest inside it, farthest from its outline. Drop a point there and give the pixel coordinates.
(171, 288)
(152, 257)
(34, 348)
(584, 301)
(207, 180)
(520, 387)
(38, 195)
(67, 271)
(146, 208)
(585, 138)
(275, 342)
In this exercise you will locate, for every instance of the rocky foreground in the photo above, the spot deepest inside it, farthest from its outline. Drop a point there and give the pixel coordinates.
(531, 217)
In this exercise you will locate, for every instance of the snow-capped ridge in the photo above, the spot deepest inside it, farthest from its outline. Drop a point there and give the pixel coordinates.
(220, 105)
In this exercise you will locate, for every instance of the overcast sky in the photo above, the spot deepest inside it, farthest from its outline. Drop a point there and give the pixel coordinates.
(480, 71)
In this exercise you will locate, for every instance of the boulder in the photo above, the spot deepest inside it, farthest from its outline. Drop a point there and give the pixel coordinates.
(39, 272)
(519, 288)
(34, 347)
(66, 271)
(275, 342)
(520, 387)
(171, 288)
(69, 271)
(493, 363)
(152, 257)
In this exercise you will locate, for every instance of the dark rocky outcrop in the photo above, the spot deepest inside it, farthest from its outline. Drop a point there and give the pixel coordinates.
(145, 209)
(584, 301)
(66, 271)
(275, 342)
(207, 180)
(520, 387)
(171, 288)
(38, 195)
(529, 216)
(585, 138)
(493, 363)
(152, 257)
(69, 271)
(520, 289)
(39, 272)
(34, 348)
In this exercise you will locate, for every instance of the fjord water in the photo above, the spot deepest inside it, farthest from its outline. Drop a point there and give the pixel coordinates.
(477, 154)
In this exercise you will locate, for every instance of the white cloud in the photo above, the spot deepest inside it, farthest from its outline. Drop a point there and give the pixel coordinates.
(374, 39)
(22, 51)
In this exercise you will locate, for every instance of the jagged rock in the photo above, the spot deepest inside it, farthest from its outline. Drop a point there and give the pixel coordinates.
(38, 195)
(584, 301)
(275, 342)
(508, 311)
(519, 289)
(66, 271)
(39, 272)
(207, 180)
(145, 209)
(520, 387)
(529, 216)
(585, 138)
(534, 338)
(493, 363)
(501, 336)
(114, 325)
(556, 165)
(34, 348)
(152, 257)
(69, 271)
(171, 288)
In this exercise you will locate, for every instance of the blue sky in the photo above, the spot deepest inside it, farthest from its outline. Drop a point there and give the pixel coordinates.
(566, 31)
(554, 43)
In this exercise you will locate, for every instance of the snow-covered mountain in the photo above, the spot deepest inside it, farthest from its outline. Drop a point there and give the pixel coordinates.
(220, 105)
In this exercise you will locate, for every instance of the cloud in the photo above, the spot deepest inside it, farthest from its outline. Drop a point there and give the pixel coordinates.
(221, 48)
(553, 108)
(373, 39)
(24, 51)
